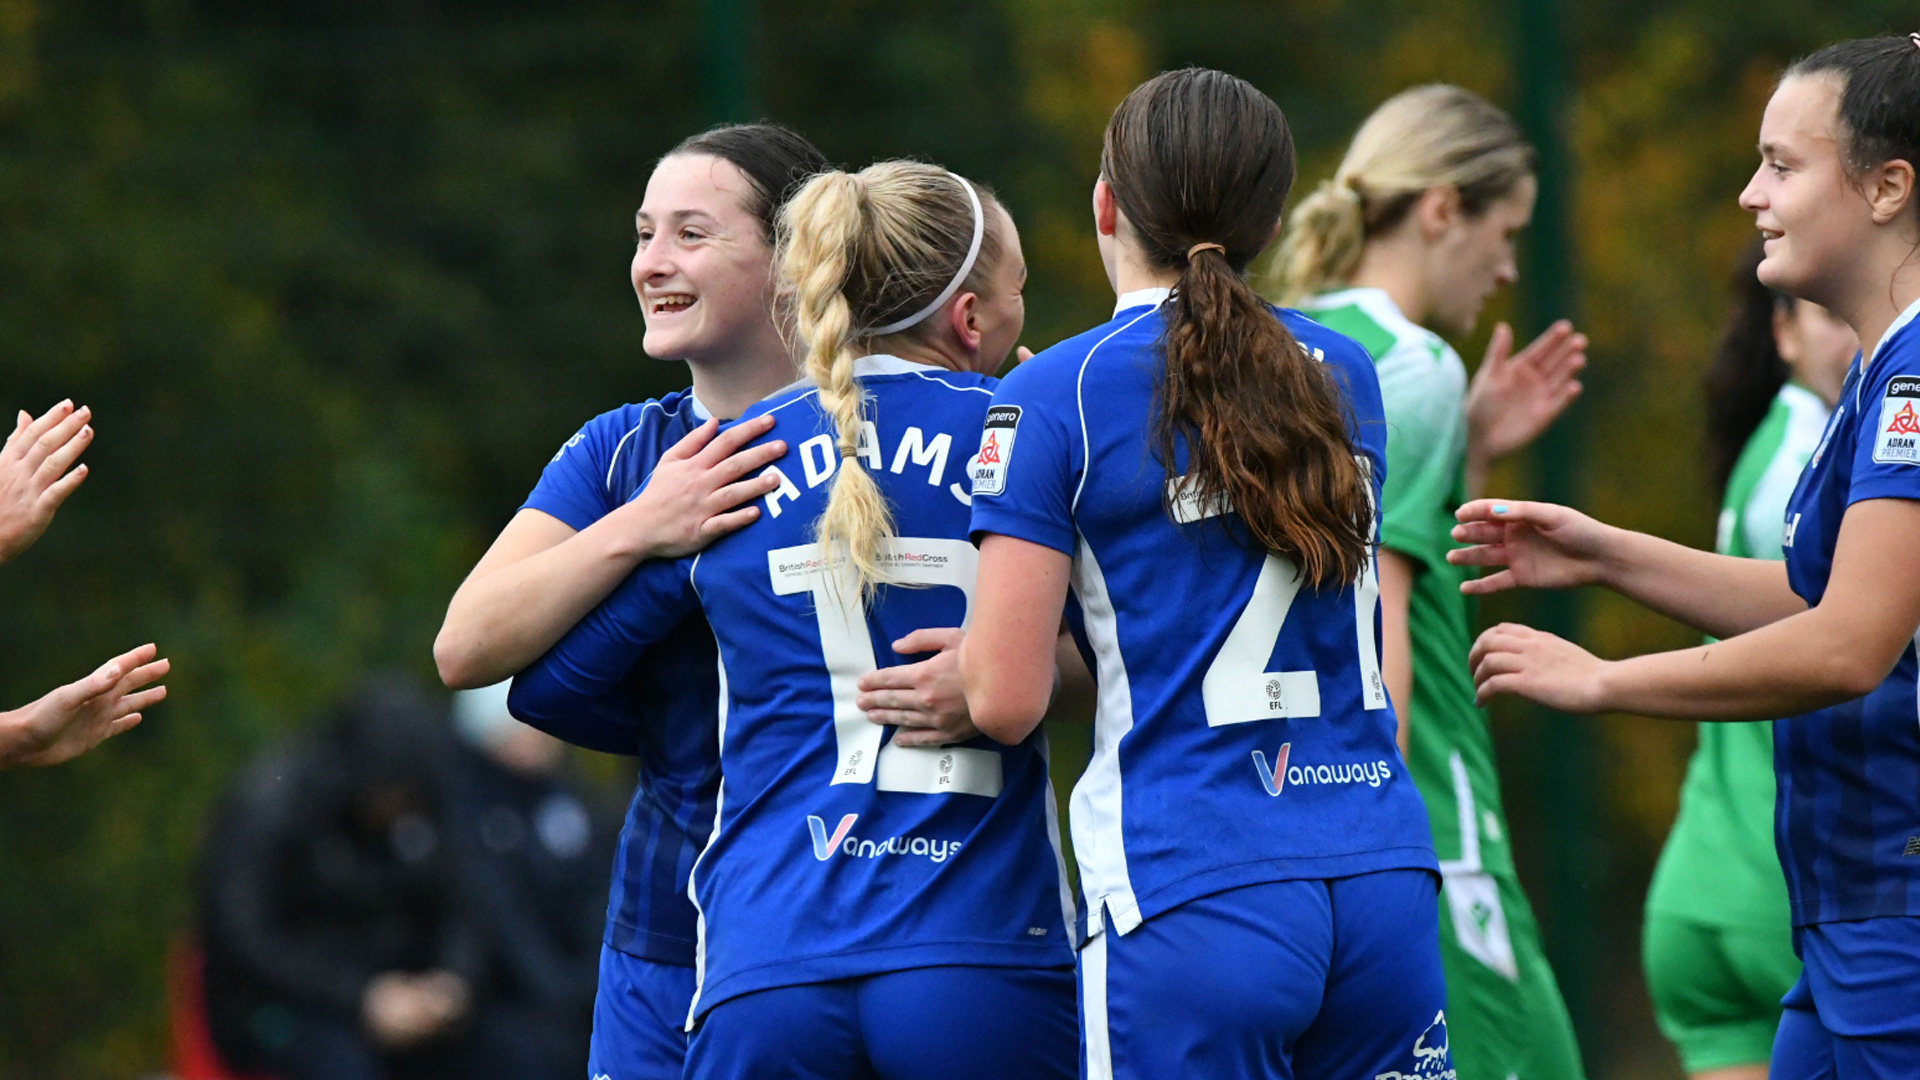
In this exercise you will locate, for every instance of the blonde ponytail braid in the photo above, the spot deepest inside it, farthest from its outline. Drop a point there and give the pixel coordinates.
(868, 259)
(1325, 238)
(822, 224)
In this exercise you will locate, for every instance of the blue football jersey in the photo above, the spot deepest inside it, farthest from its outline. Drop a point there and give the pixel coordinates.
(1242, 732)
(1848, 807)
(838, 853)
(663, 706)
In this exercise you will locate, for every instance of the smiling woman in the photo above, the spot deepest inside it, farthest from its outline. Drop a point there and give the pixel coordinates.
(645, 481)
(1830, 642)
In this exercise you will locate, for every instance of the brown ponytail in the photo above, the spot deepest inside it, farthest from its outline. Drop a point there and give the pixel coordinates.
(1201, 161)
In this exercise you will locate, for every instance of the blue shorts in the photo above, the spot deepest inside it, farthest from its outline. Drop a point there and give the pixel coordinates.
(936, 1023)
(1855, 1013)
(639, 1019)
(1285, 979)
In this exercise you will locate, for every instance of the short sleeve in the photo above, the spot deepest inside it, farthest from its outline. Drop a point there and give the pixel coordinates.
(573, 486)
(566, 687)
(1886, 462)
(1025, 474)
(1423, 388)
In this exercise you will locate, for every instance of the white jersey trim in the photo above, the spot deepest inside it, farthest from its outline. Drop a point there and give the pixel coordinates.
(1093, 1009)
(1099, 842)
(1153, 297)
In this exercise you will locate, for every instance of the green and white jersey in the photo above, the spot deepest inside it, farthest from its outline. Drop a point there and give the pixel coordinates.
(1424, 386)
(1720, 866)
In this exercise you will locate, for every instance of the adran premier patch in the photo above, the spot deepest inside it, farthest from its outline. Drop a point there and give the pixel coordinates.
(1898, 438)
(996, 450)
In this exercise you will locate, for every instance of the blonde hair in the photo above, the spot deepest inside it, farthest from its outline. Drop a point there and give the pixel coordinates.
(1419, 139)
(863, 250)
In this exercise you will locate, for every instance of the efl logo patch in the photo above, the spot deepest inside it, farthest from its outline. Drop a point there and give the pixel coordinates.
(996, 450)
(1898, 441)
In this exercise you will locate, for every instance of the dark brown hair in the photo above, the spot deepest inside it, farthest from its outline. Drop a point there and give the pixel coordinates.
(775, 159)
(1199, 157)
(1879, 98)
(1747, 371)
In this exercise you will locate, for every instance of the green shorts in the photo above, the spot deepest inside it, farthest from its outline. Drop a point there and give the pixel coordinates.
(1505, 1016)
(1716, 989)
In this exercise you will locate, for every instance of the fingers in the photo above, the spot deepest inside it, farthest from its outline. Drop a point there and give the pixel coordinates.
(111, 674)
(900, 677)
(927, 736)
(1553, 337)
(1480, 532)
(58, 436)
(743, 492)
(1507, 511)
(1022, 354)
(1499, 346)
(134, 704)
(693, 441)
(1489, 584)
(751, 460)
(146, 673)
(62, 458)
(721, 524)
(930, 639)
(57, 494)
(731, 440)
(45, 423)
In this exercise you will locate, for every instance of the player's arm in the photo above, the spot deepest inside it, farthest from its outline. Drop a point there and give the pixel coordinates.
(564, 691)
(541, 576)
(1396, 643)
(1838, 650)
(928, 703)
(1007, 662)
(1544, 546)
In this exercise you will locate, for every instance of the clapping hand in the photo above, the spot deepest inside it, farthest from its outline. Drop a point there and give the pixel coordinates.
(1515, 396)
(37, 472)
(79, 716)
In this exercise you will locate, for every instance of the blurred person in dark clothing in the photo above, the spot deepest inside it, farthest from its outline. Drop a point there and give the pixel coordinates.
(543, 855)
(340, 942)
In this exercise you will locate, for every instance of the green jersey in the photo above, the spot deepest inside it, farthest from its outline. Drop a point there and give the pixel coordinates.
(1423, 385)
(1719, 866)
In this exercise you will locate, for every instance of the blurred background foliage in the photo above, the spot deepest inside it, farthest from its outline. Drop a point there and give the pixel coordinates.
(336, 277)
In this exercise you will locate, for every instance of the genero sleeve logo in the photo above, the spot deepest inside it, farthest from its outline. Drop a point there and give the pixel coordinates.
(996, 450)
(1898, 440)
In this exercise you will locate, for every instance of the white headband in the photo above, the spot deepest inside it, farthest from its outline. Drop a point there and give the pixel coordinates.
(966, 267)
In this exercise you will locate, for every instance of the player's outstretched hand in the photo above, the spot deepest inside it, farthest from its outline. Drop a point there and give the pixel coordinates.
(925, 700)
(37, 472)
(1514, 659)
(80, 716)
(1541, 545)
(695, 494)
(1515, 396)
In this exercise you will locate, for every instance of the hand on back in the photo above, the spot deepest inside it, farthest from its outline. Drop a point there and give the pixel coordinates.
(1539, 545)
(925, 699)
(695, 494)
(37, 473)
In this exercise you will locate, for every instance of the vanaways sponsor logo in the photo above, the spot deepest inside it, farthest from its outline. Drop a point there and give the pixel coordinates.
(843, 841)
(1276, 776)
(1431, 1058)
